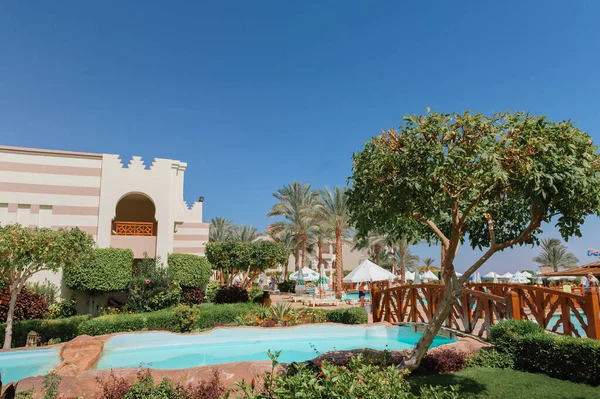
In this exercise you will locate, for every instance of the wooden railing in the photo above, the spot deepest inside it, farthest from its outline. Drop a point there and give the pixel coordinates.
(482, 305)
(133, 228)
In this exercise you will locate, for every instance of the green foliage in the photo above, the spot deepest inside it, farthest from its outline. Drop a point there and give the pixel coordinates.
(184, 318)
(150, 289)
(209, 316)
(113, 324)
(287, 286)
(211, 290)
(556, 255)
(348, 316)
(491, 358)
(64, 329)
(359, 379)
(108, 270)
(50, 386)
(512, 167)
(45, 289)
(534, 350)
(232, 294)
(64, 308)
(190, 271)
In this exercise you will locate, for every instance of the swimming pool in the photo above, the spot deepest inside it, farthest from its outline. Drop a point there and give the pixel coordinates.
(16, 365)
(347, 296)
(163, 350)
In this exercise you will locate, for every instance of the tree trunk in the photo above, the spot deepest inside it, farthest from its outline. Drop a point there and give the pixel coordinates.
(339, 265)
(451, 292)
(285, 269)
(297, 257)
(304, 245)
(320, 255)
(14, 292)
(377, 253)
(402, 252)
(394, 261)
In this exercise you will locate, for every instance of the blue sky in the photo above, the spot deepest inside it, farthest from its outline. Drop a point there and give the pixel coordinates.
(255, 95)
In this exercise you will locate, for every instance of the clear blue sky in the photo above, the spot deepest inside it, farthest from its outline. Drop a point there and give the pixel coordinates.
(255, 95)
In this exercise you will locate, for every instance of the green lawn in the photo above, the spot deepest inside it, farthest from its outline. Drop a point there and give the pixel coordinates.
(500, 384)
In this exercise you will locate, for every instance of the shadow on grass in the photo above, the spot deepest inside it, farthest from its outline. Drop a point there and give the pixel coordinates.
(466, 385)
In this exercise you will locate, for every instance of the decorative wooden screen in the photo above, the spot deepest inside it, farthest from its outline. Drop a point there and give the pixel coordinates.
(134, 229)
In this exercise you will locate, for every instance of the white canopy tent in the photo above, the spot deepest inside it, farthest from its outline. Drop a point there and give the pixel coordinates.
(491, 275)
(519, 278)
(369, 272)
(417, 279)
(506, 275)
(409, 276)
(527, 274)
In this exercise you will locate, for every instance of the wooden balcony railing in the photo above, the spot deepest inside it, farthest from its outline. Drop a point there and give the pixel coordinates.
(133, 228)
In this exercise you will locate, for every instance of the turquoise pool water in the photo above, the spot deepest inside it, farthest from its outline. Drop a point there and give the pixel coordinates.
(574, 320)
(349, 295)
(16, 365)
(171, 351)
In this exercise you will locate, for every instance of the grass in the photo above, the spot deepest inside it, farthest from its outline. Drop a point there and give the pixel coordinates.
(492, 383)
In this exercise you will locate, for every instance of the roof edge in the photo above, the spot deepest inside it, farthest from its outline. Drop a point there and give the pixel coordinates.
(39, 151)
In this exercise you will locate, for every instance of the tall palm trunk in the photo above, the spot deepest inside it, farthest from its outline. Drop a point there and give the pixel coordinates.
(285, 269)
(402, 252)
(377, 249)
(394, 261)
(304, 246)
(339, 264)
(297, 258)
(320, 254)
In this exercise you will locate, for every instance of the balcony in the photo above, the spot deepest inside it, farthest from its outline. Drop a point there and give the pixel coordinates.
(140, 237)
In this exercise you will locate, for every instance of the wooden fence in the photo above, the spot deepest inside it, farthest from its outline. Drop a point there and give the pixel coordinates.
(481, 305)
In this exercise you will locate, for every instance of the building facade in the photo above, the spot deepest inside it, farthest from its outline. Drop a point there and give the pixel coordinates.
(121, 206)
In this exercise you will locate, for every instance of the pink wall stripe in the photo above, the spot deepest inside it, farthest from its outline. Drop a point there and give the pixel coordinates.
(74, 210)
(190, 237)
(195, 225)
(25, 150)
(50, 169)
(92, 230)
(35, 208)
(199, 250)
(12, 208)
(47, 189)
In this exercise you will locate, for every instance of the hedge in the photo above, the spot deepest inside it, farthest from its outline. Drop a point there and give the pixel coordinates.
(210, 316)
(63, 329)
(190, 271)
(109, 270)
(567, 358)
(348, 316)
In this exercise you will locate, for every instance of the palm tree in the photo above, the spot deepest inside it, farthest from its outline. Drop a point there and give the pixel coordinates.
(298, 204)
(285, 237)
(333, 210)
(556, 255)
(403, 254)
(428, 266)
(245, 233)
(323, 235)
(220, 229)
(375, 244)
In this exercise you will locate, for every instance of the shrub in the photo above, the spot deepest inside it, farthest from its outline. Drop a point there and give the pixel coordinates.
(534, 350)
(45, 289)
(184, 318)
(348, 316)
(211, 290)
(64, 308)
(233, 294)
(490, 358)
(209, 316)
(442, 361)
(113, 324)
(190, 271)
(193, 296)
(109, 270)
(29, 305)
(162, 320)
(150, 289)
(63, 329)
(287, 286)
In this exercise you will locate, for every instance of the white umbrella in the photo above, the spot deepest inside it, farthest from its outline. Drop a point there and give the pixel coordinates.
(458, 274)
(409, 276)
(506, 275)
(428, 275)
(491, 275)
(583, 280)
(495, 280)
(519, 278)
(527, 274)
(539, 281)
(307, 275)
(417, 279)
(322, 282)
(368, 271)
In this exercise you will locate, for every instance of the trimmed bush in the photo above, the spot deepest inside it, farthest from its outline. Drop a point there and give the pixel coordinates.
(348, 316)
(113, 324)
(534, 350)
(62, 329)
(109, 270)
(193, 296)
(490, 358)
(287, 286)
(190, 271)
(442, 361)
(30, 305)
(231, 294)
(209, 316)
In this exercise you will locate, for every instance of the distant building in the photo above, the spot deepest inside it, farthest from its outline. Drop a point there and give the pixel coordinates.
(120, 206)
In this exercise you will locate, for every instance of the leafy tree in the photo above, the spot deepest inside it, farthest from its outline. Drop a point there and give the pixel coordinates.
(108, 270)
(25, 251)
(220, 229)
(190, 271)
(333, 210)
(297, 203)
(234, 258)
(556, 255)
(245, 233)
(488, 181)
